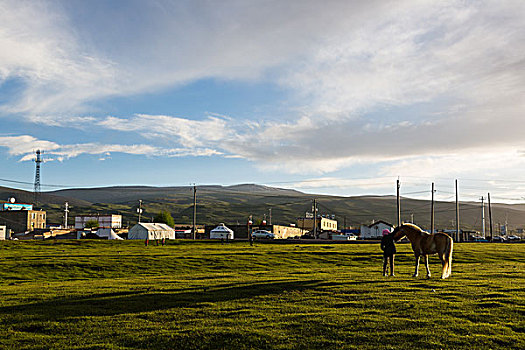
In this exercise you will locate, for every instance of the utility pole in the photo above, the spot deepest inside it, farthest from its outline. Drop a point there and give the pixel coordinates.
(398, 204)
(432, 211)
(344, 222)
(457, 212)
(506, 224)
(66, 210)
(490, 216)
(412, 218)
(315, 219)
(194, 212)
(483, 216)
(270, 210)
(139, 209)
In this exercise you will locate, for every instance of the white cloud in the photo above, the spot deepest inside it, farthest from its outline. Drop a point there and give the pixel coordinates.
(25, 146)
(423, 79)
(69, 55)
(40, 49)
(190, 133)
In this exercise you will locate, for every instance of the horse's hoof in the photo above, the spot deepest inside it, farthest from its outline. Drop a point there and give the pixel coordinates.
(415, 275)
(428, 276)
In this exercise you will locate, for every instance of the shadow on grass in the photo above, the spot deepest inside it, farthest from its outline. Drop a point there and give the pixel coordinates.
(116, 303)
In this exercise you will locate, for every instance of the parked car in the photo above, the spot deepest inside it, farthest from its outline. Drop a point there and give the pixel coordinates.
(339, 238)
(344, 237)
(263, 234)
(514, 238)
(499, 239)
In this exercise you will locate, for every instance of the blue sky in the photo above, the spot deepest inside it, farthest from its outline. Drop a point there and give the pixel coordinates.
(333, 97)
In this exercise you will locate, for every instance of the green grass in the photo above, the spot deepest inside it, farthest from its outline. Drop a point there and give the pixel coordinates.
(122, 295)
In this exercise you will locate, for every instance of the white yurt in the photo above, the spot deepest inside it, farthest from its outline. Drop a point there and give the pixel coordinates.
(107, 233)
(221, 232)
(151, 231)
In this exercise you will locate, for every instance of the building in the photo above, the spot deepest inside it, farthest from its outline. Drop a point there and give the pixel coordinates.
(323, 224)
(375, 230)
(104, 221)
(282, 232)
(151, 231)
(11, 205)
(23, 220)
(3, 233)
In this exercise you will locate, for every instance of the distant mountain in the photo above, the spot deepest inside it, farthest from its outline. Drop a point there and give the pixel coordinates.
(124, 194)
(22, 196)
(234, 204)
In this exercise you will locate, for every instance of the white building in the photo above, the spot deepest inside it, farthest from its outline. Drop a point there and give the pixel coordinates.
(3, 233)
(104, 221)
(151, 231)
(323, 223)
(375, 230)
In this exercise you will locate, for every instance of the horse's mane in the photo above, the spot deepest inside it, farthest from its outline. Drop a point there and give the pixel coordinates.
(415, 227)
(409, 226)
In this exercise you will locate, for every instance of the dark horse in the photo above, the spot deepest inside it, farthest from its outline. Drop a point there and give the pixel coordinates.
(424, 243)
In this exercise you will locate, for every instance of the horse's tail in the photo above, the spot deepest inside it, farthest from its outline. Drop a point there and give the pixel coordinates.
(448, 256)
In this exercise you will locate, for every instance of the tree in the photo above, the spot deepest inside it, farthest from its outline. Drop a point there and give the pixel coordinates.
(91, 224)
(165, 217)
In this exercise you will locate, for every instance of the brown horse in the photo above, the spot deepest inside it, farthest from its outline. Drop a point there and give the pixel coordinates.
(424, 243)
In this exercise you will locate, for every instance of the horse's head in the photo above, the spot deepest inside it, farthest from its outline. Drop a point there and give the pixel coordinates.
(406, 229)
(398, 233)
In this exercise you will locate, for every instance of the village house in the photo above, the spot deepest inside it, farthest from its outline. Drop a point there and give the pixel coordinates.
(375, 229)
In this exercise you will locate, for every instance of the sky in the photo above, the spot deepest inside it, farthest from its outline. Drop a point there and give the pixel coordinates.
(333, 97)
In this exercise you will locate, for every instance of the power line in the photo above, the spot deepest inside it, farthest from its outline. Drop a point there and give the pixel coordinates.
(417, 192)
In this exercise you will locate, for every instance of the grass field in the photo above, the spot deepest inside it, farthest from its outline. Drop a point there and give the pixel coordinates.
(122, 295)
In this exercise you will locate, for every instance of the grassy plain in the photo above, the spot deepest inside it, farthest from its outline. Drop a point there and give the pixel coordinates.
(186, 295)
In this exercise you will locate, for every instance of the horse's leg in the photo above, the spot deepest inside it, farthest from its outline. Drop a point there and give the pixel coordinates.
(426, 265)
(416, 273)
(449, 258)
(443, 264)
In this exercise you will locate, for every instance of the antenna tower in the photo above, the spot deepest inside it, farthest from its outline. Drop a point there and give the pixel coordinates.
(36, 189)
